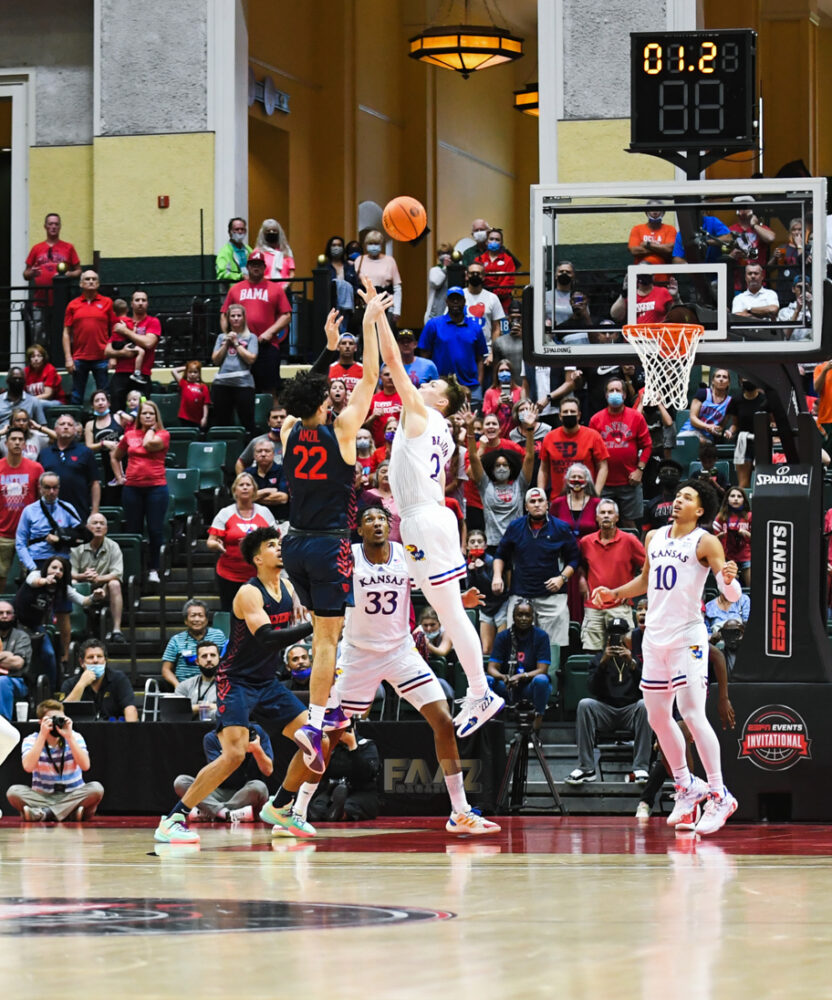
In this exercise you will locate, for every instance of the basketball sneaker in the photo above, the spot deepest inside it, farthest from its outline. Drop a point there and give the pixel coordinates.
(285, 822)
(687, 803)
(334, 718)
(643, 811)
(475, 712)
(309, 740)
(718, 810)
(472, 822)
(242, 815)
(172, 830)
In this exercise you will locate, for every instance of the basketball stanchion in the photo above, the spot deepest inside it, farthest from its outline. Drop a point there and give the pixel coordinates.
(667, 352)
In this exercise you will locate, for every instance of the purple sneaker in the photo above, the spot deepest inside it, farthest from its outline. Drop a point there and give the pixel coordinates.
(334, 718)
(309, 740)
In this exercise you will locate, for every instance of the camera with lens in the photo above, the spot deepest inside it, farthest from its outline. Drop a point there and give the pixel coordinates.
(58, 722)
(522, 713)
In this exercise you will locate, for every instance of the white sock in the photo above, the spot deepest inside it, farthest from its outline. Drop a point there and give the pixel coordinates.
(446, 601)
(455, 783)
(305, 793)
(316, 716)
(9, 738)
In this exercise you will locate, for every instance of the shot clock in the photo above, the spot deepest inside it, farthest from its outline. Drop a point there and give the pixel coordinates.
(693, 90)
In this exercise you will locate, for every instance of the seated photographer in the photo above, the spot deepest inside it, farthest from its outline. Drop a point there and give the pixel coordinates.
(56, 757)
(109, 689)
(349, 789)
(615, 703)
(202, 687)
(519, 662)
(727, 635)
(242, 795)
(15, 661)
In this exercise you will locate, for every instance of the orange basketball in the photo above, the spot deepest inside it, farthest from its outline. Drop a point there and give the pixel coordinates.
(404, 218)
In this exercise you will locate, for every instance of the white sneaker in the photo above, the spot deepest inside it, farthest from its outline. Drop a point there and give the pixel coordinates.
(640, 777)
(718, 810)
(475, 712)
(244, 815)
(153, 576)
(472, 822)
(643, 811)
(687, 804)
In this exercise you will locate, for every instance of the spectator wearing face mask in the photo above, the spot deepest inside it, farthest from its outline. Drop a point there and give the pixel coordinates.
(652, 242)
(15, 397)
(382, 270)
(385, 404)
(232, 260)
(364, 447)
(658, 510)
(342, 273)
(499, 265)
(479, 234)
(570, 443)
(272, 242)
(298, 670)
(456, 344)
(108, 689)
(502, 396)
(438, 282)
(483, 305)
(201, 688)
(509, 346)
(729, 635)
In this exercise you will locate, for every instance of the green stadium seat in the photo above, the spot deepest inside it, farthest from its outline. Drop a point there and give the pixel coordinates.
(720, 466)
(686, 450)
(236, 438)
(115, 518)
(183, 485)
(575, 681)
(209, 457)
(53, 412)
(262, 408)
(222, 621)
(169, 409)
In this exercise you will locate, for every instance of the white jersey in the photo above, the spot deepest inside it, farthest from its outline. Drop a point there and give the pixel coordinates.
(674, 592)
(416, 463)
(380, 618)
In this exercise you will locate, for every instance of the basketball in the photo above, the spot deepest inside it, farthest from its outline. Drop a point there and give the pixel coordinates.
(404, 218)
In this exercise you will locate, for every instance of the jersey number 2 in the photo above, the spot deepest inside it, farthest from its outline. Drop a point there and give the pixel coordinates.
(318, 455)
(665, 577)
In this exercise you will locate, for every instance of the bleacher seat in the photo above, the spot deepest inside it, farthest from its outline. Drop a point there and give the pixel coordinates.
(574, 681)
(262, 407)
(169, 409)
(183, 485)
(235, 438)
(209, 457)
(720, 465)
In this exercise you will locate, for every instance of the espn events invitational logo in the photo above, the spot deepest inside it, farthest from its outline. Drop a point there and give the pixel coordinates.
(775, 738)
(779, 587)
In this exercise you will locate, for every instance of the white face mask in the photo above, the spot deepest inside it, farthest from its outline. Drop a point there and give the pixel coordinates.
(373, 249)
(501, 474)
(480, 235)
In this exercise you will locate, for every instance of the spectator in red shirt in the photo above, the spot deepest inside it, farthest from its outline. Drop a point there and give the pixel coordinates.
(42, 378)
(42, 266)
(608, 553)
(346, 367)
(145, 493)
(501, 397)
(498, 266)
(385, 404)
(268, 313)
(194, 397)
(130, 333)
(625, 433)
(87, 325)
(652, 301)
(18, 488)
(570, 443)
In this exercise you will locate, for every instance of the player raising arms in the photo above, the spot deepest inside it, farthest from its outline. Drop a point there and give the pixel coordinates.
(421, 448)
(319, 462)
(246, 681)
(675, 647)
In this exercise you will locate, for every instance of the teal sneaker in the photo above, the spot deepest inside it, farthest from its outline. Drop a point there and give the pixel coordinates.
(173, 830)
(285, 822)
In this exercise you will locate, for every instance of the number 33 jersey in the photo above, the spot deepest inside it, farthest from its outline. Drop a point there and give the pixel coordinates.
(380, 618)
(674, 593)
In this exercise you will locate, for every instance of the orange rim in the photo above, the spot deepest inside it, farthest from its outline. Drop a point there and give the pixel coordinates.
(674, 339)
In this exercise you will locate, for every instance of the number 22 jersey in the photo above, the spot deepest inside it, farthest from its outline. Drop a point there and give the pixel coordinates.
(321, 494)
(380, 618)
(674, 592)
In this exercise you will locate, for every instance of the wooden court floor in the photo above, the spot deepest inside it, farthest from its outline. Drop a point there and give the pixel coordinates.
(574, 908)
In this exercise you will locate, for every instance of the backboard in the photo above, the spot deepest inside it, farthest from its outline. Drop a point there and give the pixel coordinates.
(627, 275)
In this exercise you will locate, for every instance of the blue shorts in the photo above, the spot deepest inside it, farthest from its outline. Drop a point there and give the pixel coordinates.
(320, 568)
(236, 700)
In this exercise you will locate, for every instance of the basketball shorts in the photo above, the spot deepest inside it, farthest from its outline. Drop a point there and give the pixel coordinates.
(667, 668)
(320, 568)
(236, 701)
(359, 672)
(430, 537)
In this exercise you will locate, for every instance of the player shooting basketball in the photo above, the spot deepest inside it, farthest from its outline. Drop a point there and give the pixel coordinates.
(675, 646)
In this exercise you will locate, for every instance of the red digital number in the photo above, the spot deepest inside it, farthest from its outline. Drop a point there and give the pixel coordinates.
(316, 455)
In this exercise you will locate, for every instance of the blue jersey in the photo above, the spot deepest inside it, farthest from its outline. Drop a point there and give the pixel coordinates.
(321, 483)
(246, 658)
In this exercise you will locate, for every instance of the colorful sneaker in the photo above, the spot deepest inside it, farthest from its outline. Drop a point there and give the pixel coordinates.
(643, 811)
(476, 712)
(687, 802)
(172, 830)
(579, 776)
(718, 810)
(334, 718)
(309, 740)
(244, 815)
(285, 822)
(472, 822)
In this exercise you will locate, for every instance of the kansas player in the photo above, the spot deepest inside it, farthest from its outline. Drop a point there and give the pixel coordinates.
(675, 646)
(421, 447)
(260, 627)
(319, 462)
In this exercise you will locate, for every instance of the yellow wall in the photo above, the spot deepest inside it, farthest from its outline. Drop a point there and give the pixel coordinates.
(61, 180)
(131, 171)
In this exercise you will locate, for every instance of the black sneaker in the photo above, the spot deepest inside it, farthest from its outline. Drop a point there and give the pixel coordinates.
(578, 776)
(116, 636)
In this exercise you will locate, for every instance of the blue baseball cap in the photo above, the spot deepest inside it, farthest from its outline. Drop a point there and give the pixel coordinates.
(456, 290)
(800, 280)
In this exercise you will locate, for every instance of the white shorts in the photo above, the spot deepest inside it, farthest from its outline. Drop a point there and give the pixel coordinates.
(359, 672)
(667, 668)
(430, 536)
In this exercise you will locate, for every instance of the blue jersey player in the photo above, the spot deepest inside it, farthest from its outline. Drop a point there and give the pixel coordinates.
(319, 463)
(260, 627)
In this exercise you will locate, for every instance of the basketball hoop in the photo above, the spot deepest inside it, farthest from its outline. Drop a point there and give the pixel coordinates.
(667, 352)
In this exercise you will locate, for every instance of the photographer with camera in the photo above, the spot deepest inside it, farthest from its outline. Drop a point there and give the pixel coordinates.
(109, 689)
(56, 757)
(519, 663)
(615, 703)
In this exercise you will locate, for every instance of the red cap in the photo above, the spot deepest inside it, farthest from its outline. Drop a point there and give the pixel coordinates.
(257, 255)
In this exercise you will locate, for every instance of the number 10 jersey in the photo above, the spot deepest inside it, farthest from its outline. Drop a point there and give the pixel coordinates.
(674, 593)
(380, 618)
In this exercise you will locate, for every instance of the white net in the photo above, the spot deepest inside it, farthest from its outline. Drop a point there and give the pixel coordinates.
(667, 353)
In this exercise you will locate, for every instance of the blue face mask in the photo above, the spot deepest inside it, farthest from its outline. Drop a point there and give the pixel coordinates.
(103, 413)
(389, 435)
(615, 398)
(504, 378)
(493, 245)
(354, 255)
(98, 669)
(374, 249)
(302, 674)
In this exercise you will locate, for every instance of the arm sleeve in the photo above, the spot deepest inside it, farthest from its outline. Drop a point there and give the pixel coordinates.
(324, 360)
